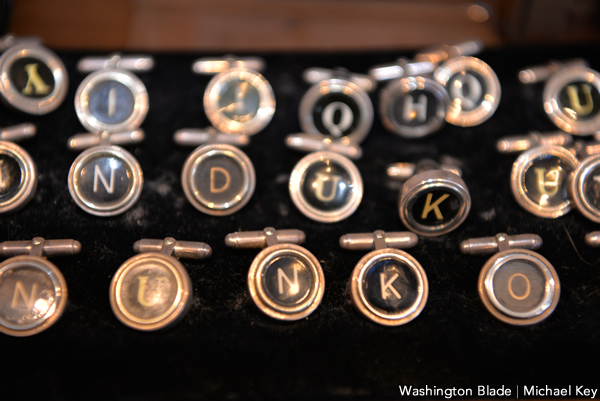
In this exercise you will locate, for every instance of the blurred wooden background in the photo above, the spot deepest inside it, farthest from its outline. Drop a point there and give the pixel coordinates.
(279, 25)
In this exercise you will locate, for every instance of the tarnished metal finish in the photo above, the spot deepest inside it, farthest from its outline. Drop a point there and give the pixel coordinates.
(367, 241)
(258, 239)
(181, 249)
(486, 245)
(17, 133)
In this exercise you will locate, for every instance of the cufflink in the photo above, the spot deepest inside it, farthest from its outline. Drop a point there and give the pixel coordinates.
(238, 100)
(434, 200)
(217, 178)
(539, 180)
(472, 85)
(517, 286)
(571, 95)
(326, 186)
(105, 180)
(18, 174)
(33, 292)
(285, 280)
(152, 290)
(388, 285)
(34, 80)
(337, 105)
(584, 188)
(522, 143)
(412, 105)
(112, 98)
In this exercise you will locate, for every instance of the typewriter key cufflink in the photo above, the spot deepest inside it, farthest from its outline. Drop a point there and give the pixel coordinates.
(517, 286)
(522, 143)
(584, 188)
(434, 199)
(106, 180)
(217, 178)
(412, 105)
(285, 280)
(472, 85)
(539, 180)
(337, 105)
(18, 174)
(571, 96)
(238, 99)
(152, 290)
(32, 78)
(388, 285)
(33, 292)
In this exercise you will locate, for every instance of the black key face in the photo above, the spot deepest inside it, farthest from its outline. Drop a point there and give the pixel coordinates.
(327, 185)
(416, 108)
(11, 176)
(148, 291)
(545, 181)
(111, 102)
(519, 286)
(591, 189)
(469, 87)
(105, 180)
(239, 100)
(435, 207)
(336, 115)
(32, 77)
(391, 285)
(218, 181)
(287, 281)
(579, 100)
(26, 296)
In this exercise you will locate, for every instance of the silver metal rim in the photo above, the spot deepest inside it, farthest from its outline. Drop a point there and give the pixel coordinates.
(517, 180)
(403, 87)
(576, 188)
(360, 300)
(177, 309)
(137, 181)
(262, 300)
(266, 107)
(207, 151)
(551, 91)
(31, 105)
(486, 288)
(29, 178)
(455, 115)
(348, 88)
(132, 82)
(60, 294)
(297, 179)
(424, 182)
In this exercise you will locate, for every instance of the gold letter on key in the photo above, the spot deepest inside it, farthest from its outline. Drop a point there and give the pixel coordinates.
(34, 81)
(429, 207)
(576, 104)
(20, 290)
(553, 175)
(321, 178)
(213, 173)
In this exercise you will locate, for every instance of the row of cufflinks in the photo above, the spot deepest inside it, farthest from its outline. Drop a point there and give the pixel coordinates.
(152, 290)
(335, 115)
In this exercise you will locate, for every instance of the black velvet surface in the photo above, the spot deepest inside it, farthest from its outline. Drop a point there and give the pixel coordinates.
(224, 348)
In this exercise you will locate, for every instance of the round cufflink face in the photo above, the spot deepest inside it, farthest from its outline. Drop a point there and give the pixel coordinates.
(18, 177)
(286, 282)
(572, 100)
(434, 202)
(519, 287)
(105, 180)
(389, 287)
(218, 179)
(584, 188)
(336, 108)
(326, 186)
(33, 295)
(474, 90)
(111, 100)
(33, 79)
(239, 101)
(413, 107)
(539, 180)
(150, 291)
